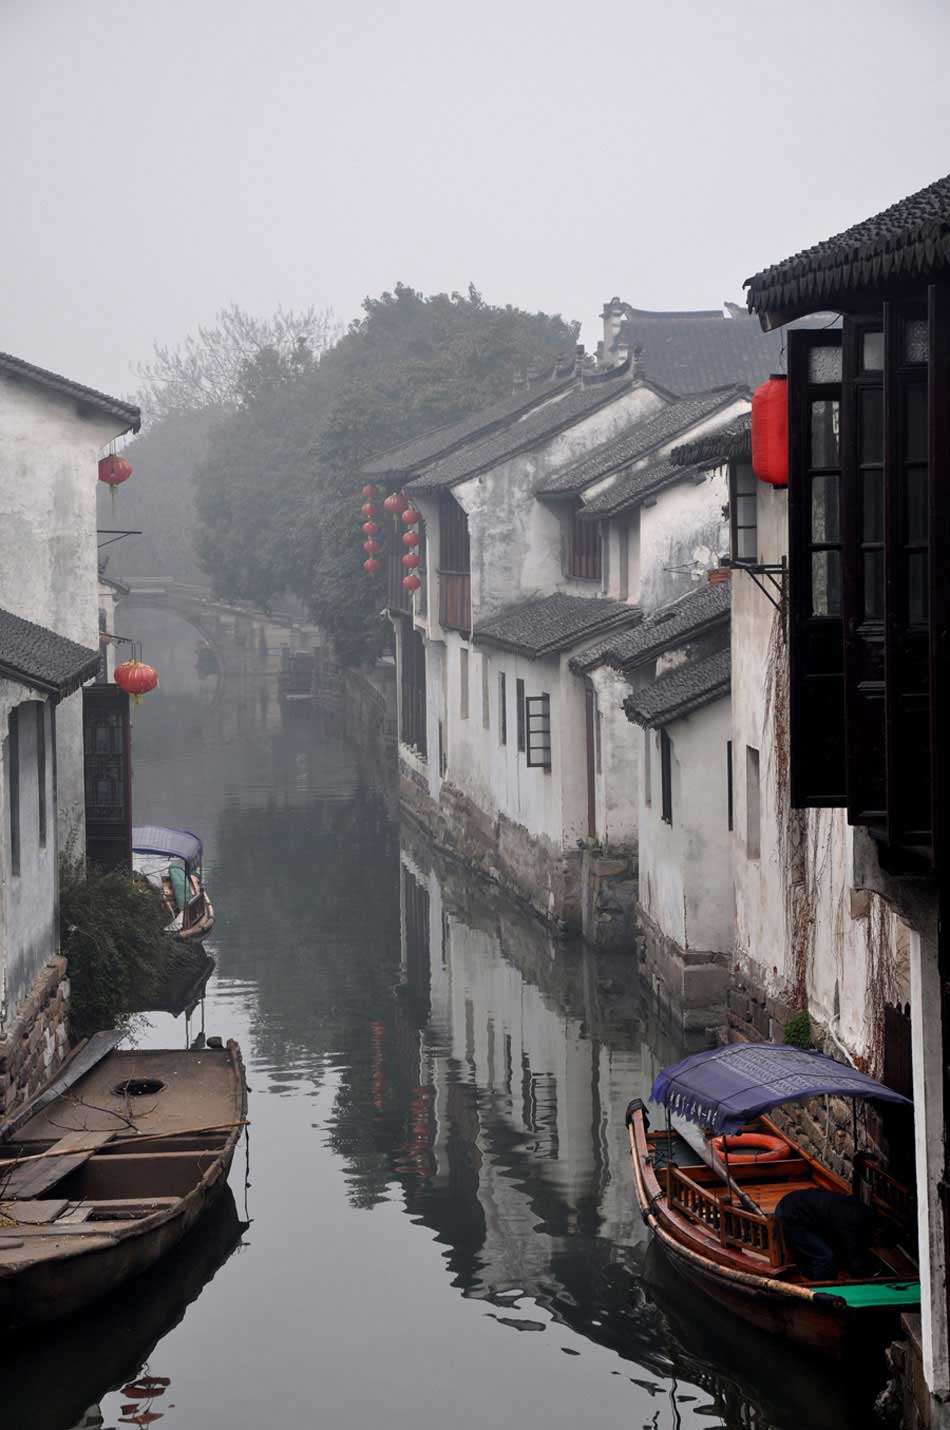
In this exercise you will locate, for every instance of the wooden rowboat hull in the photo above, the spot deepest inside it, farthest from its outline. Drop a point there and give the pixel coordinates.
(77, 1267)
(821, 1327)
(811, 1317)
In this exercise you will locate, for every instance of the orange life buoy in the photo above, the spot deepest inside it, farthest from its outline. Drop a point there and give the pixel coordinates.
(751, 1147)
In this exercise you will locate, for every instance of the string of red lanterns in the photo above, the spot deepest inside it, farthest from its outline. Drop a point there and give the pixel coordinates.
(411, 539)
(370, 511)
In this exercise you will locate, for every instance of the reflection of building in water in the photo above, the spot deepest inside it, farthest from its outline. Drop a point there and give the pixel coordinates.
(528, 1082)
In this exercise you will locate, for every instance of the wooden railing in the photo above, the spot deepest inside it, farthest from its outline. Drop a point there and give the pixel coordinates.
(890, 1196)
(455, 600)
(735, 1226)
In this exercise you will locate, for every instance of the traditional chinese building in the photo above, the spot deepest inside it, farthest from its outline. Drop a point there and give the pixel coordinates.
(869, 626)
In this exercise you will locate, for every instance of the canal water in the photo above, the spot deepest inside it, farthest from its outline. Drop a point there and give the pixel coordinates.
(432, 1221)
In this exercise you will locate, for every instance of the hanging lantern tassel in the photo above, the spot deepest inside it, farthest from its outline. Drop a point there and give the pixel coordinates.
(136, 679)
(770, 431)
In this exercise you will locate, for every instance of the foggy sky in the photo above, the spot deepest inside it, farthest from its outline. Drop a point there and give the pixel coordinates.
(159, 160)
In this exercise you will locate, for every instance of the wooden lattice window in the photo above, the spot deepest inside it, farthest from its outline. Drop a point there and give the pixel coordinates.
(666, 777)
(13, 787)
(538, 722)
(584, 547)
(743, 512)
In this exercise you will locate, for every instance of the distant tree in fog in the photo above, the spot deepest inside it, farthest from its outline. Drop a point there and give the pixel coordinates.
(278, 494)
(212, 368)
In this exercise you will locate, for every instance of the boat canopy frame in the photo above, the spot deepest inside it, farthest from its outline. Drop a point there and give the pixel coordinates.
(174, 843)
(723, 1088)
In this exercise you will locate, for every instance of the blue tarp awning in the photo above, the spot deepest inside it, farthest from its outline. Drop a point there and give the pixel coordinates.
(725, 1087)
(176, 843)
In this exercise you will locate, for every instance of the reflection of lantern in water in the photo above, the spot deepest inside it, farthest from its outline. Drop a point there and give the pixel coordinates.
(378, 1037)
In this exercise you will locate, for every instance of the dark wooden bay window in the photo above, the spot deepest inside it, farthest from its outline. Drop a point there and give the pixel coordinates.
(583, 547)
(455, 566)
(869, 598)
(816, 630)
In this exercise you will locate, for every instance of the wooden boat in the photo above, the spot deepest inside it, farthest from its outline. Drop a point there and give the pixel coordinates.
(171, 860)
(104, 1179)
(716, 1219)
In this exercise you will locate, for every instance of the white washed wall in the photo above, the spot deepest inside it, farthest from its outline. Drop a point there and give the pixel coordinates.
(48, 558)
(686, 867)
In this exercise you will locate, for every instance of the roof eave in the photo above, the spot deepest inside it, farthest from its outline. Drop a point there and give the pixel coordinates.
(676, 712)
(56, 689)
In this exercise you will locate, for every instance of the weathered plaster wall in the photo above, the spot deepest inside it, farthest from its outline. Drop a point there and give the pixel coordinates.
(48, 558)
(682, 533)
(686, 866)
(617, 779)
(29, 913)
(517, 541)
(801, 928)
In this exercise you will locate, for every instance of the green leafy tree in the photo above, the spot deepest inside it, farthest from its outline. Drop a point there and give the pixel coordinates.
(278, 495)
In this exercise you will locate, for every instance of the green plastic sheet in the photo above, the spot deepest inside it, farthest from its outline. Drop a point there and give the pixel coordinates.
(879, 1293)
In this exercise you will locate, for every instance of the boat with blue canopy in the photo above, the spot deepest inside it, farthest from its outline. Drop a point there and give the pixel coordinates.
(712, 1185)
(171, 861)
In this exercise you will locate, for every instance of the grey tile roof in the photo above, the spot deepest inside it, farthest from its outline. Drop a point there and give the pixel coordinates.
(126, 412)
(638, 441)
(562, 411)
(548, 624)
(909, 240)
(690, 351)
(671, 625)
(683, 690)
(437, 442)
(38, 658)
(634, 487)
(730, 443)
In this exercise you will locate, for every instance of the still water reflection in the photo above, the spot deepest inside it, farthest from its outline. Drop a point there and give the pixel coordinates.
(434, 1224)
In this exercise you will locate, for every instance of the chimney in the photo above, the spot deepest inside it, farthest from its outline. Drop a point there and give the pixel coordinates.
(637, 369)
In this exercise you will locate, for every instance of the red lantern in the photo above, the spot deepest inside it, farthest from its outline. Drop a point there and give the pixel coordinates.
(371, 547)
(411, 538)
(770, 431)
(370, 528)
(369, 510)
(370, 491)
(136, 678)
(114, 470)
(411, 582)
(371, 565)
(411, 560)
(411, 517)
(395, 503)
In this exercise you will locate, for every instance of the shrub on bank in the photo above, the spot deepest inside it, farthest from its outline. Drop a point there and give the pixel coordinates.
(112, 935)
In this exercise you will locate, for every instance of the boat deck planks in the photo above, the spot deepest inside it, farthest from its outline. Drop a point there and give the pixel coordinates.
(198, 1093)
(32, 1179)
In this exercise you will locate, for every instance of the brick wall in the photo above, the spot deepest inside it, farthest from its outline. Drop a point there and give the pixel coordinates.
(37, 1038)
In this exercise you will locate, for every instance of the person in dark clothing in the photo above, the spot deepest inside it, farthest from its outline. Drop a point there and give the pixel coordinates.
(827, 1230)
